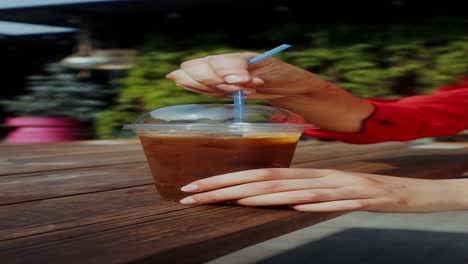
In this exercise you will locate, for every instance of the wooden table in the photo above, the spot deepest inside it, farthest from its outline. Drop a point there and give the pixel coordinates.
(94, 202)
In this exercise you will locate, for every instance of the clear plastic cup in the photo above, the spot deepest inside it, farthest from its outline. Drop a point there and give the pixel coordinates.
(185, 143)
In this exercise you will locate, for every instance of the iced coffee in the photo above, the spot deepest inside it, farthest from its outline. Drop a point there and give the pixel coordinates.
(177, 161)
(185, 143)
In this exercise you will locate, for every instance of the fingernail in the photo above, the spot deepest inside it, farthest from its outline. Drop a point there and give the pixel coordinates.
(188, 200)
(235, 78)
(247, 92)
(257, 81)
(189, 188)
(226, 86)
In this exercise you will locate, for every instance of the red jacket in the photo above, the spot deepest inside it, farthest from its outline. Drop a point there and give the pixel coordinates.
(445, 112)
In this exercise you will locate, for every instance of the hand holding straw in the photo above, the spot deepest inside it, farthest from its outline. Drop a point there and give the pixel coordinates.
(239, 95)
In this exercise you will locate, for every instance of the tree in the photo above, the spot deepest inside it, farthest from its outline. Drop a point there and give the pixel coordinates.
(59, 93)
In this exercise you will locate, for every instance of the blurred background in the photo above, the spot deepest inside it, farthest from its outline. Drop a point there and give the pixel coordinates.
(80, 69)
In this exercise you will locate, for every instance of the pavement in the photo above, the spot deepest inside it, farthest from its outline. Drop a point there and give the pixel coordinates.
(363, 237)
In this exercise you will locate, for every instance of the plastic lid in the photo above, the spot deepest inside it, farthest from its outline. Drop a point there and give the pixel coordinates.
(216, 118)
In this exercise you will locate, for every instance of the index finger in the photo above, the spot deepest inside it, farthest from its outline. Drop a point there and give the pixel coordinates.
(248, 176)
(233, 68)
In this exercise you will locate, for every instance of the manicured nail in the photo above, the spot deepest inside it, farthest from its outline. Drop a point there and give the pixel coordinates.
(257, 81)
(189, 188)
(247, 92)
(228, 87)
(235, 78)
(188, 200)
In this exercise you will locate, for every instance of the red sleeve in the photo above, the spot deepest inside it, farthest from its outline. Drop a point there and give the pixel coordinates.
(445, 112)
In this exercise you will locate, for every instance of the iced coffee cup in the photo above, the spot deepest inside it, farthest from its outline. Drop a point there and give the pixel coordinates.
(185, 143)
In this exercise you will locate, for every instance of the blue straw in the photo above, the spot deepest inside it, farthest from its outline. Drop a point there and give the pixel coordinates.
(239, 96)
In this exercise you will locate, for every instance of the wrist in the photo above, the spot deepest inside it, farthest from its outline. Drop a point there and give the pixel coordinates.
(311, 91)
(446, 195)
(313, 87)
(458, 193)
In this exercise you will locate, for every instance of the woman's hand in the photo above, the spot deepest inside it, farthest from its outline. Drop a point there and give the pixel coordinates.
(221, 75)
(283, 85)
(316, 190)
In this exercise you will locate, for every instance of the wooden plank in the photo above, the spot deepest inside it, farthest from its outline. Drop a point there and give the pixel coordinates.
(406, 162)
(70, 228)
(64, 156)
(99, 212)
(331, 150)
(56, 214)
(15, 159)
(42, 185)
(42, 150)
(16, 165)
(42, 157)
(164, 240)
(81, 147)
(52, 156)
(46, 185)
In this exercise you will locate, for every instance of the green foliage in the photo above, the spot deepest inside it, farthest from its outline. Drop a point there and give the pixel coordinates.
(382, 60)
(145, 86)
(60, 94)
(368, 60)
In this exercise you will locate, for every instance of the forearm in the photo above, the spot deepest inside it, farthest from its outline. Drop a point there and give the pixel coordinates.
(339, 114)
(444, 195)
(330, 108)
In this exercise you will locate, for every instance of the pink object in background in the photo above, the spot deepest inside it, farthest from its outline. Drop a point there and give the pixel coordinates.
(33, 130)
